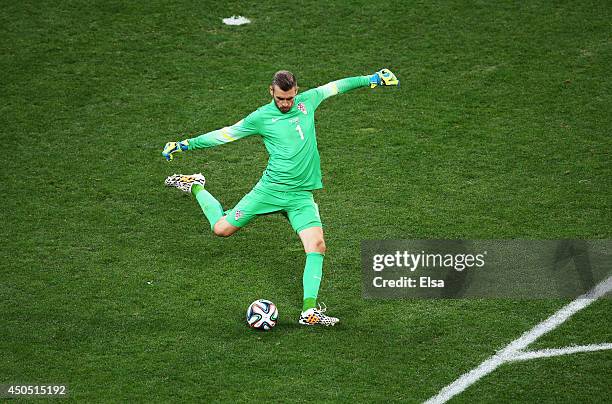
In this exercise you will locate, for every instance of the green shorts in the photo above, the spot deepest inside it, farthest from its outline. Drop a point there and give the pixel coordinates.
(298, 206)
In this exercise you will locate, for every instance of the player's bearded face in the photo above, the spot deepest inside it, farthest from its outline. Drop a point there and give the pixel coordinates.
(283, 99)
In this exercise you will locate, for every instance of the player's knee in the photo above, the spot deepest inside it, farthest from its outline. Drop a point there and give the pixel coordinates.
(317, 245)
(222, 230)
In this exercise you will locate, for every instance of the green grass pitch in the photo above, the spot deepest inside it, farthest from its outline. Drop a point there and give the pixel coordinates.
(114, 285)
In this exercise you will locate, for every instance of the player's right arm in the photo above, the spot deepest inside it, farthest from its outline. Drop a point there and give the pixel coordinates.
(245, 127)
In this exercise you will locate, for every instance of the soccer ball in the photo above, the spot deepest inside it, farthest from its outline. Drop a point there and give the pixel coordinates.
(262, 314)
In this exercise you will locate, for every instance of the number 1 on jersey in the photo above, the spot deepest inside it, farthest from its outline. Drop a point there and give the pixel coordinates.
(299, 129)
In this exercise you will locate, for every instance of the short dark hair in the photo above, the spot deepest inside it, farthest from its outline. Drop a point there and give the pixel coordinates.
(285, 80)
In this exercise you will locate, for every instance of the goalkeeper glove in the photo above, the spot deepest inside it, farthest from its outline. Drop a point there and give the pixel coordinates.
(174, 147)
(384, 77)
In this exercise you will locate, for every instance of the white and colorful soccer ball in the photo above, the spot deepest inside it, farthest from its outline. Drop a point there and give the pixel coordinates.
(262, 314)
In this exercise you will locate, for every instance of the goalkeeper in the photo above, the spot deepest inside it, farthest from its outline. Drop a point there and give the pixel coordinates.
(287, 127)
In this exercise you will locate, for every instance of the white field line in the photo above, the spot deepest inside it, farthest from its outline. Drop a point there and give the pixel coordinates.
(545, 353)
(515, 347)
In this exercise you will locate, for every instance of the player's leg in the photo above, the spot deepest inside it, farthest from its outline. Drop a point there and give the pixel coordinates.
(210, 206)
(305, 220)
(314, 247)
(255, 203)
(313, 240)
(223, 228)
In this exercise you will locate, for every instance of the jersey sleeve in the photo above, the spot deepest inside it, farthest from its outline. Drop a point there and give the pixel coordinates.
(319, 94)
(243, 128)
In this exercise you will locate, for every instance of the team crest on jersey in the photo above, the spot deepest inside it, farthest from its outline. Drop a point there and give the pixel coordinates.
(302, 108)
(238, 215)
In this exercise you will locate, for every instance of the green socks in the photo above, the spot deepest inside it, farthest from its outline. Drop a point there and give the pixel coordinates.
(210, 206)
(313, 272)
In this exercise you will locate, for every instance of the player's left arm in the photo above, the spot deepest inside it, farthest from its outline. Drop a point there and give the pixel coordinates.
(382, 77)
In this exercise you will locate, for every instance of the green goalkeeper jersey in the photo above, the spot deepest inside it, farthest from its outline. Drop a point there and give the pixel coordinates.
(290, 138)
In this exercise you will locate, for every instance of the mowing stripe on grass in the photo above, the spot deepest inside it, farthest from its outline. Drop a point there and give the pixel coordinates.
(513, 350)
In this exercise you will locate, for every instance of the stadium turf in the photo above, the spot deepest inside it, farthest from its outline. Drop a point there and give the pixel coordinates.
(114, 285)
